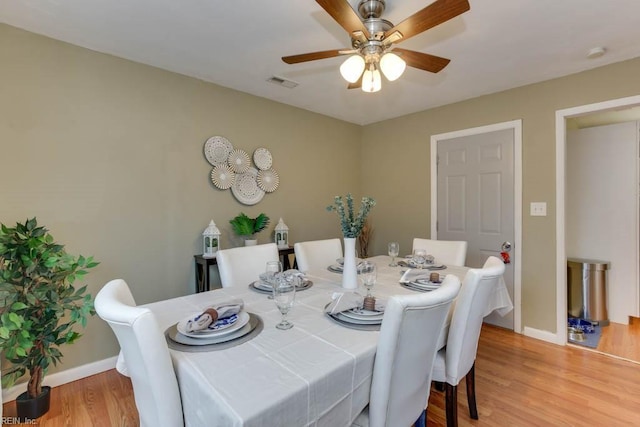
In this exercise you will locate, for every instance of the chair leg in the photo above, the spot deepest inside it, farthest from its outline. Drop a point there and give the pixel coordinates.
(422, 420)
(439, 385)
(451, 398)
(470, 380)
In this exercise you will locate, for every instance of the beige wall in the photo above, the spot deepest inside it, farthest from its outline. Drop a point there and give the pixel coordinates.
(396, 168)
(108, 154)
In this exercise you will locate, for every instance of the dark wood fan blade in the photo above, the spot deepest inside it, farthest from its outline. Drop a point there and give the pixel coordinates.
(423, 61)
(356, 85)
(436, 13)
(312, 56)
(343, 13)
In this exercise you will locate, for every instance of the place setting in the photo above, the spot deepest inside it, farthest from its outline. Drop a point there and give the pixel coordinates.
(418, 280)
(338, 267)
(420, 259)
(352, 310)
(216, 327)
(273, 271)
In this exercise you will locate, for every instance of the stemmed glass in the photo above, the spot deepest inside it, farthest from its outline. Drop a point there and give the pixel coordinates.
(368, 276)
(394, 250)
(272, 269)
(284, 295)
(419, 257)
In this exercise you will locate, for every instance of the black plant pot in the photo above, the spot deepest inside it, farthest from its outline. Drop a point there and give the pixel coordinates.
(33, 408)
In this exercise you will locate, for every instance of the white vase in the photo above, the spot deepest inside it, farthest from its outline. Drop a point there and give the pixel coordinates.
(250, 242)
(349, 268)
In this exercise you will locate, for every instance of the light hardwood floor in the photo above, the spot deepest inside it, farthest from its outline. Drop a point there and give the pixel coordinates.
(520, 382)
(621, 340)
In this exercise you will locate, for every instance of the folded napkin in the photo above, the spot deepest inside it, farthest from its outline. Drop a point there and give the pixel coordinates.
(343, 301)
(267, 279)
(413, 274)
(213, 313)
(293, 272)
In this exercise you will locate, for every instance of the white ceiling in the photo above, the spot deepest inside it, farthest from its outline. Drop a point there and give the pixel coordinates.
(497, 45)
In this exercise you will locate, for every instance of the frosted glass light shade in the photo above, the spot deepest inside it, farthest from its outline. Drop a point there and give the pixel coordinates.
(392, 66)
(352, 68)
(371, 81)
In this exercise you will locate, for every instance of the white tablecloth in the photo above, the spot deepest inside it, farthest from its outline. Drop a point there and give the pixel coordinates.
(315, 374)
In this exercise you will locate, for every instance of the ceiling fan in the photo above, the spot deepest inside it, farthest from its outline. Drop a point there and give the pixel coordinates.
(373, 40)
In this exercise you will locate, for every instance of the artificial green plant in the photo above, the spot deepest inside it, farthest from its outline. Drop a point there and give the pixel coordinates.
(38, 303)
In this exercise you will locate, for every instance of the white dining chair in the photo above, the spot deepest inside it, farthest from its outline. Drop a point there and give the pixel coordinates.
(457, 360)
(145, 351)
(317, 254)
(449, 252)
(407, 346)
(241, 266)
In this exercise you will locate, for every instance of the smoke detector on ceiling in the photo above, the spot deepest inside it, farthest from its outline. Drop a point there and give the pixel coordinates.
(596, 52)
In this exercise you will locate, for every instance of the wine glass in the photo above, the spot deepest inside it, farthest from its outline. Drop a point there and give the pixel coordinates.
(272, 269)
(284, 295)
(368, 275)
(419, 257)
(394, 250)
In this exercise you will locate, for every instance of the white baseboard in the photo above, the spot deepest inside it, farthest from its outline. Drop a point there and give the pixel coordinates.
(64, 377)
(542, 335)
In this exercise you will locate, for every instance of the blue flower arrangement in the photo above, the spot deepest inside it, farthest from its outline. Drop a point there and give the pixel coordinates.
(350, 223)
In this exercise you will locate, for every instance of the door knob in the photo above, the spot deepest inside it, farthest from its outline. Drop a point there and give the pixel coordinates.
(506, 247)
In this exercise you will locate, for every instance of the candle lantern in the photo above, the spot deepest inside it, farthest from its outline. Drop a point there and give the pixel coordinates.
(282, 235)
(210, 240)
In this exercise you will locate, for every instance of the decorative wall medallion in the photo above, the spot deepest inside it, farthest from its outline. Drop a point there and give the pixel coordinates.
(239, 161)
(246, 189)
(262, 158)
(217, 150)
(223, 177)
(268, 180)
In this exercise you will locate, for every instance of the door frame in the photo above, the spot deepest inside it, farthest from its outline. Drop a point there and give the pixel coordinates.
(516, 125)
(561, 165)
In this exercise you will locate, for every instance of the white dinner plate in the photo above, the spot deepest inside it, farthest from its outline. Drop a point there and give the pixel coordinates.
(336, 268)
(225, 338)
(347, 319)
(265, 288)
(361, 314)
(425, 285)
(259, 284)
(241, 319)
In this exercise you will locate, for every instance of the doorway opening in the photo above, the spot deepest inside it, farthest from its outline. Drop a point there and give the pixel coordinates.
(564, 120)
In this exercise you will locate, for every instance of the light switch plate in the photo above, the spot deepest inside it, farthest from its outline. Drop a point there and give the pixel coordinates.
(538, 209)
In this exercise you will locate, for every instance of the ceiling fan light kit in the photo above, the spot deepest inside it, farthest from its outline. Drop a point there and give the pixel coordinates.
(392, 66)
(352, 68)
(371, 80)
(373, 39)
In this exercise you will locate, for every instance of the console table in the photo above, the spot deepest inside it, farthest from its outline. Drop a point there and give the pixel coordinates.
(203, 283)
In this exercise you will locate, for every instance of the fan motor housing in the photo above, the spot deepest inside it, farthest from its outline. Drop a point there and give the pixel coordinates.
(371, 8)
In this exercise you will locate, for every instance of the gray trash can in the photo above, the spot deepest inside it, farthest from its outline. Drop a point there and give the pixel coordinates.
(587, 289)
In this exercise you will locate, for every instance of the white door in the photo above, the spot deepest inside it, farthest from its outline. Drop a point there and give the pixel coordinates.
(475, 200)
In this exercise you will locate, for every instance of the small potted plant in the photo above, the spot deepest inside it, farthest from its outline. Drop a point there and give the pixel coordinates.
(39, 307)
(248, 227)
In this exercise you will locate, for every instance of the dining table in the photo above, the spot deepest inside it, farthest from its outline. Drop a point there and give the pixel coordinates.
(316, 374)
